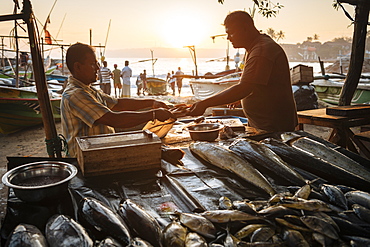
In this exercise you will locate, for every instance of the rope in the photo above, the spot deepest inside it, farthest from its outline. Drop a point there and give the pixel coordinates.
(55, 145)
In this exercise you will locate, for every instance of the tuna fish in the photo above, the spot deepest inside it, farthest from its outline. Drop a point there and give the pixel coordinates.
(144, 224)
(226, 159)
(174, 235)
(266, 161)
(62, 230)
(102, 218)
(26, 235)
(198, 224)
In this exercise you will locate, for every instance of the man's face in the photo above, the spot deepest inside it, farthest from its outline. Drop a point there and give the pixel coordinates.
(234, 35)
(86, 72)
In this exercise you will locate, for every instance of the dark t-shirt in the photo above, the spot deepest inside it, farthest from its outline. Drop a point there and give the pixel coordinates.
(271, 104)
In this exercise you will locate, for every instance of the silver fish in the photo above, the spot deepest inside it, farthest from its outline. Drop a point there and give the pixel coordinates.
(332, 156)
(224, 216)
(262, 234)
(267, 161)
(195, 240)
(247, 230)
(310, 205)
(174, 235)
(319, 225)
(26, 235)
(362, 212)
(111, 242)
(104, 220)
(245, 206)
(335, 195)
(198, 224)
(303, 192)
(358, 197)
(62, 230)
(226, 159)
(144, 224)
(294, 238)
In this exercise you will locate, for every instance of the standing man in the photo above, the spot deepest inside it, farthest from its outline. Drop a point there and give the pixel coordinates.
(144, 81)
(179, 79)
(126, 73)
(264, 88)
(117, 81)
(106, 75)
(86, 111)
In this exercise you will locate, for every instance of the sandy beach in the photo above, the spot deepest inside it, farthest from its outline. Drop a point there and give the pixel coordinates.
(31, 143)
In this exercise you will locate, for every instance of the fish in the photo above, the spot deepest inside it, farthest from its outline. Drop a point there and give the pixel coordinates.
(245, 207)
(224, 203)
(195, 240)
(111, 242)
(26, 235)
(104, 220)
(138, 242)
(303, 192)
(198, 224)
(321, 168)
(247, 230)
(286, 223)
(362, 212)
(349, 228)
(138, 219)
(174, 235)
(310, 205)
(332, 156)
(358, 197)
(319, 225)
(262, 234)
(266, 161)
(225, 216)
(226, 159)
(230, 240)
(294, 238)
(335, 195)
(277, 211)
(62, 230)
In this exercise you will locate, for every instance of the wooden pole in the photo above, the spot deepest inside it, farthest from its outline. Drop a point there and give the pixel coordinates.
(41, 85)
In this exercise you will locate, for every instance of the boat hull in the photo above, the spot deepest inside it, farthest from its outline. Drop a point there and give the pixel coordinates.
(156, 86)
(329, 91)
(20, 109)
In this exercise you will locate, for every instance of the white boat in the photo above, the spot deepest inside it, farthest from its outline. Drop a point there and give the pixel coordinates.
(205, 88)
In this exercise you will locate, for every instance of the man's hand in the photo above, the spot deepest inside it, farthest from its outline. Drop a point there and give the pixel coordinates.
(159, 104)
(196, 109)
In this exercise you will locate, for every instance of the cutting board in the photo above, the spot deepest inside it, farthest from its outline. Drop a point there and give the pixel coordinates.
(349, 111)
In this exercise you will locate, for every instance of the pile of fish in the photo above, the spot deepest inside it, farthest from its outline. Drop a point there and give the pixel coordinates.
(332, 208)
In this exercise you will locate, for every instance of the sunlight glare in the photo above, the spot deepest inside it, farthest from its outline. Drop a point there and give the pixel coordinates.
(183, 30)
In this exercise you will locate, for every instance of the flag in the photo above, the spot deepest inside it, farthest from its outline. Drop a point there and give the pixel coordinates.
(47, 37)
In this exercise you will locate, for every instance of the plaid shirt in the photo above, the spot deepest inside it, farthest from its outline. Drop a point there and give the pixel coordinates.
(81, 106)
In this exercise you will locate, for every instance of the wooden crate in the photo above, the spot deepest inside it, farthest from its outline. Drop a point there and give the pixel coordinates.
(118, 152)
(301, 74)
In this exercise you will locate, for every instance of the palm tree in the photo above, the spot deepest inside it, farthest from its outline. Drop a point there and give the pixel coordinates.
(280, 35)
(271, 33)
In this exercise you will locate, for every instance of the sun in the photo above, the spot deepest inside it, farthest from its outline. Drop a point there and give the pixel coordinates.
(181, 30)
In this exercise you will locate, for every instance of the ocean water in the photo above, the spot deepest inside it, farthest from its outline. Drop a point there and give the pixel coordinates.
(165, 65)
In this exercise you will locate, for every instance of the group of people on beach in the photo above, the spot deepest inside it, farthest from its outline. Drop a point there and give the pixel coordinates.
(264, 90)
(175, 79)
(105, 75)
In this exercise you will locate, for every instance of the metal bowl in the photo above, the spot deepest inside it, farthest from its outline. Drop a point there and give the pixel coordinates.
(204, 131)
(39, 181)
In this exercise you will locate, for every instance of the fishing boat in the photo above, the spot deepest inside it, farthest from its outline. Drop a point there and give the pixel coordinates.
(328, 90)
(156, 86)
(20, 108)
(204, 88)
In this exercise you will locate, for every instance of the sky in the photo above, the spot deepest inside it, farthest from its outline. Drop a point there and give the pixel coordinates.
(128, 24)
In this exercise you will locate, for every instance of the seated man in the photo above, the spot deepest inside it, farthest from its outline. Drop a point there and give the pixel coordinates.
(86, 111)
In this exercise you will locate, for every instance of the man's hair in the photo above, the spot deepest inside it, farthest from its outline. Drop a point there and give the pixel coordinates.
(238, 17)
(127, 63)
(77, 53)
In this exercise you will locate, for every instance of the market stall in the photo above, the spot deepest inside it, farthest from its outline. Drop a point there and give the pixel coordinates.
(168, 197)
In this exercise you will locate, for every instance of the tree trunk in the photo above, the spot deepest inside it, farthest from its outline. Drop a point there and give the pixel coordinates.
(357, 54)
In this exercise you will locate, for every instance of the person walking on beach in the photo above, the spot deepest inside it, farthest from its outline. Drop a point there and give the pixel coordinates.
(265, 87)
(86, 111)
(171, 81)
(144, 81)
(126, 74)
(117, 80)
(139, 84)
(179, 80)
(106, 75)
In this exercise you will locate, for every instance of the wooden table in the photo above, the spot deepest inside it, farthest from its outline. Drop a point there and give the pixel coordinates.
(341, 134)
